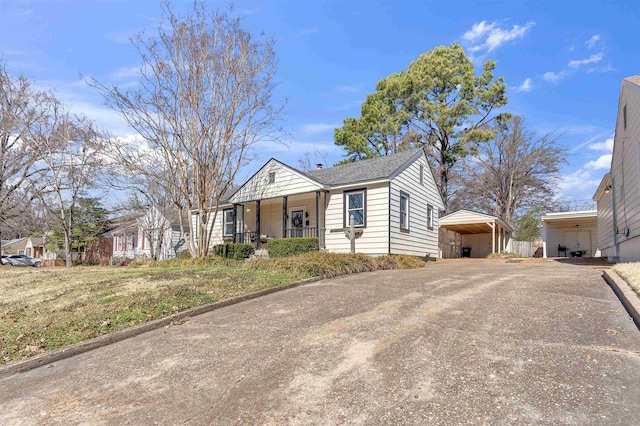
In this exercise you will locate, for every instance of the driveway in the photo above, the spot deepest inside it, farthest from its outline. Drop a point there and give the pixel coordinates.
(458, 342)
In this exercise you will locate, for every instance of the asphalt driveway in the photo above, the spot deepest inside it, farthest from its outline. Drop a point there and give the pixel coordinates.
(470, 342)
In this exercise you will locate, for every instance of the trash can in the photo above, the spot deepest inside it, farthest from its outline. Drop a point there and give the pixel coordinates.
(466, 251)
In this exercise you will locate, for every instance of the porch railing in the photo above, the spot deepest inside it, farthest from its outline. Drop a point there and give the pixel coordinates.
(301, 232)
(250, 236)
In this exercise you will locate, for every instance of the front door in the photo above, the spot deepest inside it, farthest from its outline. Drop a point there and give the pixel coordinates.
(297, 223)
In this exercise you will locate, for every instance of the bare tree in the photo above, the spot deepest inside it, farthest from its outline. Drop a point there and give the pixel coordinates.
(515, 172)
(311, 160)
(203, 100)
(21, 107)
(71, 153)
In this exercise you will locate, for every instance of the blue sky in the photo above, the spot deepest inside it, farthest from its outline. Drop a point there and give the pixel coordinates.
(563, 64)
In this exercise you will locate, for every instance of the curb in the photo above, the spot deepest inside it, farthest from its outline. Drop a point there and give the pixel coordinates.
(625, 293)
(107, 339)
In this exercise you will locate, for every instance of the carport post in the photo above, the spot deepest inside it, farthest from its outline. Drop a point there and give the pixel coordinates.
(493, 237)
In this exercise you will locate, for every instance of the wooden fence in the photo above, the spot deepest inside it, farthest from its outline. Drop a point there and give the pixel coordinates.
(522, 248)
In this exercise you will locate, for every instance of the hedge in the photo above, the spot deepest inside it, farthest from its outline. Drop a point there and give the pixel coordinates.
(291, 246)
(235, 251)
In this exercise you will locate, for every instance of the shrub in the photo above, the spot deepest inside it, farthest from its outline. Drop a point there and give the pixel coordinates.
(235, 251)
(291, 246)
(314, 264)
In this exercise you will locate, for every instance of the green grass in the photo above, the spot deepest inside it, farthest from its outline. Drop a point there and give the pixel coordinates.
(44, 309)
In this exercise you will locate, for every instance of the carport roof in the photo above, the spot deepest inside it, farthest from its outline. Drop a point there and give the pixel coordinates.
(582, 214)
(470, 222)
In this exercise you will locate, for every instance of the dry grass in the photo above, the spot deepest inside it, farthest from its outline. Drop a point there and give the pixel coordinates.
(631, 274)
(42, 309)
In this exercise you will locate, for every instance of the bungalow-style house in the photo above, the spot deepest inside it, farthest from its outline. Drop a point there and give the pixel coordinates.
(146, 235)
(618, 195)
(393, 199)
(465, 233)
(35, 247)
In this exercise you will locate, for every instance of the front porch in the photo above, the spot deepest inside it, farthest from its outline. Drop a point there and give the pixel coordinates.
(294, 216)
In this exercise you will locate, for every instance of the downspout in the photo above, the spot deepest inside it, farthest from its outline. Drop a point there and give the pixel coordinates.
(615, 221)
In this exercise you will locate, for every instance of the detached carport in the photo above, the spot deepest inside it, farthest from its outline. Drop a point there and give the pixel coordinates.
(483, 234)
(568, 234)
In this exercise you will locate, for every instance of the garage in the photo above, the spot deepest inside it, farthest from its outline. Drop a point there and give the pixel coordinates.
(570, 234)
(466, 233)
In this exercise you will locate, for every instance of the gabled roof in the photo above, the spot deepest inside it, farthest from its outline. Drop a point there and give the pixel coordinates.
(37, 242)
(373, 169)
(6, 243)
(634, 79)
(464, 216)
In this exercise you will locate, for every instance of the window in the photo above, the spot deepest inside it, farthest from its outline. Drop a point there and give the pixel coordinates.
(404, 211)
(228, 222)
(421, 174)
(429, 216)
(272, 177)
(355, 205)
(21, 252)
(624, 115)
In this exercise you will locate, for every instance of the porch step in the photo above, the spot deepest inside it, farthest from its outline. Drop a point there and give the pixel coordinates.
(260, 254)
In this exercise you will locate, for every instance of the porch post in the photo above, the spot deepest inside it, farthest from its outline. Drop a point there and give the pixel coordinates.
(257, 224)
(233, 219)
(318, 218)
(284, 217)
(493, 237)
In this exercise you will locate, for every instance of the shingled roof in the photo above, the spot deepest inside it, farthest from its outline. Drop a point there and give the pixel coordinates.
(377, 168)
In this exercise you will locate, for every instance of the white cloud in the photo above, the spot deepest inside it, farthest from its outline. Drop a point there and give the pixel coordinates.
(489, 36)
(579, 181)
(602, 163)
(315, 128)
(553, 76)
(526, 86)
(606, 146)
(590, 60)
(591, 43)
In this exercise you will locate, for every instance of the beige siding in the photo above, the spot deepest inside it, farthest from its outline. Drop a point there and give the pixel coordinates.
(556, 233)
(287, 182)
(375, 238)
(418, 240)
(605, 226)
(625, 170)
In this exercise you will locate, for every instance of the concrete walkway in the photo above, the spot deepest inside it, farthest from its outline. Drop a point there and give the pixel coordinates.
(458, 342)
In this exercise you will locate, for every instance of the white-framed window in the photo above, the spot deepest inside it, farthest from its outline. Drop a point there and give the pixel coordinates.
(272, 177)
(21, 252)
(404, 211)
(355, 205)
(429, 216)
(421, 174)
(227, 218)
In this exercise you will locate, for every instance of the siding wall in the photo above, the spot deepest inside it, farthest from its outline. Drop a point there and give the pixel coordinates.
(625, 170)
(287, 182)
(555, 234)
(171, 246)
(605, 226)
(418, 240)
(375, 238)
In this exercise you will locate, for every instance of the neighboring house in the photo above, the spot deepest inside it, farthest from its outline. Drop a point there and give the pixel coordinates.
(16, 246)
(34, 247)
(393, 199)
(618, 196)
(569, 234)
(142, 234)
(473, 234)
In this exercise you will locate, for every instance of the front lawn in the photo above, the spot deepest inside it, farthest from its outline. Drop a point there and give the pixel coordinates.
(631, 274)
(42, 309)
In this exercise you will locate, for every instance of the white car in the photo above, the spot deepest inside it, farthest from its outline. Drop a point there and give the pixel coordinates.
(21, 260)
